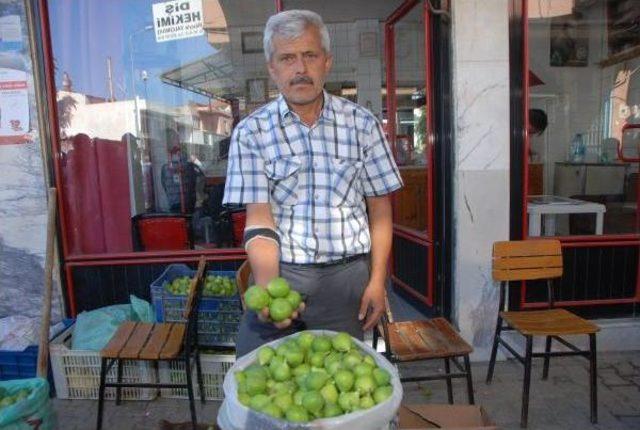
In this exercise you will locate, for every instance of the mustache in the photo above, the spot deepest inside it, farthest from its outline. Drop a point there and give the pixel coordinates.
(301, 80)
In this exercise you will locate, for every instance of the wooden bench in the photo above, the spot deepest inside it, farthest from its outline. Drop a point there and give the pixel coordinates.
(157, 342)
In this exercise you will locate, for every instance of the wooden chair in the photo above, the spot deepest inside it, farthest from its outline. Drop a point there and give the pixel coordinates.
(430, 339)
(157, 342)
(538, 260)
(242, 280)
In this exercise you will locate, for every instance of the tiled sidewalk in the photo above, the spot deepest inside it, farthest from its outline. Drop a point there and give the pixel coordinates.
(561, 402)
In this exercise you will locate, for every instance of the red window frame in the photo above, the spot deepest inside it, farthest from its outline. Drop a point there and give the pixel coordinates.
(424, 239)
(565, 241)
(129, 258)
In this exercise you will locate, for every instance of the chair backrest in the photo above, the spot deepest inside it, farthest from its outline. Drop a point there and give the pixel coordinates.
(242, 280)
(162, 232)
(527, 260)
(195, 291)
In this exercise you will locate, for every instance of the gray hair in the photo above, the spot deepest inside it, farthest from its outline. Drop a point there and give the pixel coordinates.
(290, 24)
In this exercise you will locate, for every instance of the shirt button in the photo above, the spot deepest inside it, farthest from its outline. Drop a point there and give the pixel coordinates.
(317, 196)
(315, 164)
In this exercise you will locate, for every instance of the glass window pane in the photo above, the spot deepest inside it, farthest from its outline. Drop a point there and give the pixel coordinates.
(411, 121)
(148, 94)
(584, 89)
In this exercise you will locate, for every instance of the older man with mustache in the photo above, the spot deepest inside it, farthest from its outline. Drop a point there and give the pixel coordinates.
(314, 171)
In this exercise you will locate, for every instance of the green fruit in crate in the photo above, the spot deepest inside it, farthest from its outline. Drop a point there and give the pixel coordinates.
(283, 401)
(315, 380)
(280, 309)
(313, 402)
(321, 344)
(382, 393)
(297, 397)
(282, 372)
(349, 401)
(365, 384)
(381, 376)
(294, 298)
(329, 393)
(344, 380)
(265, 354)
(301, 369)
(362, 369)
(352, 359)
(272, 410)
(297, 414)
(255, 386)
(244, 399)
(317, 359)
(369, 360)
(342, 342)
(305, 340)
(332, 410)
(294, 357)
(259, 401)
(367, 402)
(304, 380)
(278, 288)
(256, 298)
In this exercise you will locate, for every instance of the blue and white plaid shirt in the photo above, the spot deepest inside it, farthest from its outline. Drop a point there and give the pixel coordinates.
(315, 178)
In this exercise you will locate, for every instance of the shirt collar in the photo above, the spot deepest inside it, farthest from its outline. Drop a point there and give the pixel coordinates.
(327, 113)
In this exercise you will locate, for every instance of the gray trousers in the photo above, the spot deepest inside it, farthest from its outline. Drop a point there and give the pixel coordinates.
(332, 298)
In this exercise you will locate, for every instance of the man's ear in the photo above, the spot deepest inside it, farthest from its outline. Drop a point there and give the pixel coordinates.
(271, 70)
(328, 63)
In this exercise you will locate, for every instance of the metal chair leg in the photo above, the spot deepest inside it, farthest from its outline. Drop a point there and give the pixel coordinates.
(119, 379)
(103, 377)
(374, 344)
(547, 358)
(494, 351)
(593, 374)
(447, 368)
(467, 367)
(199, 373)
(526, 382)
(192, 405)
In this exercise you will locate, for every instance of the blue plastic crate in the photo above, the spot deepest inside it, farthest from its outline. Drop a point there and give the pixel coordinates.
(218, 317)
(23, 364)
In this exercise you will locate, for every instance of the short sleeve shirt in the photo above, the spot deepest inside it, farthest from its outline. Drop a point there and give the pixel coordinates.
(315, 178)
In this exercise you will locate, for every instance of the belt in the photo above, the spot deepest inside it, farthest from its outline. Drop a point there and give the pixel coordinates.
(342, 261)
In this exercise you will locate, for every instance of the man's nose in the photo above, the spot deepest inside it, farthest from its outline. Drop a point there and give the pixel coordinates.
(300, 66)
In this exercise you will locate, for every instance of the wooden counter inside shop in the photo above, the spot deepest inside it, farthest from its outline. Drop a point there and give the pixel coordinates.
(411, 200)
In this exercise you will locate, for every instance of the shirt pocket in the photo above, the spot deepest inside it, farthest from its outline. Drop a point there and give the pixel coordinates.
(346, 187)
(283, 175)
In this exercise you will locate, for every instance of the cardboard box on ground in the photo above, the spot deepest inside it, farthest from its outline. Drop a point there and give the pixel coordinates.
(447, 417)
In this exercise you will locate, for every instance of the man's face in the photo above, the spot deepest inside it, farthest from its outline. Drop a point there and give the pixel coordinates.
(299, 67)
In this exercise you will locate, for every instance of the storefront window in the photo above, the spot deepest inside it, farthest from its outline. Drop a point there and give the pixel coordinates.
(411, 143)
(148, 94)
(584, 100)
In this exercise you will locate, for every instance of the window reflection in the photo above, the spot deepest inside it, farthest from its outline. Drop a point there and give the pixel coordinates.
(146, 115)
(584, 87)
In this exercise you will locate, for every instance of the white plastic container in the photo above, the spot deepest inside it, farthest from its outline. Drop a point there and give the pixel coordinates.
(76, 373)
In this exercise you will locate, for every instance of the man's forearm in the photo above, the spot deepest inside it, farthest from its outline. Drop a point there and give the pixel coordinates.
(380, 227)
(264, 255)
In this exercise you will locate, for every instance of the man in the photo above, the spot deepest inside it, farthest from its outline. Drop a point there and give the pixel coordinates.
(314, 171)
(182, 180)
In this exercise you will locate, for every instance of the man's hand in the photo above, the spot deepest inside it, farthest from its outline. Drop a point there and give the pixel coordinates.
(373, 304)
(263, 316)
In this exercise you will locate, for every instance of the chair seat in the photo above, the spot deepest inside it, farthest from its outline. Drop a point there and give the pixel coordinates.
(549, 322)
(145, 341)
(425, 339)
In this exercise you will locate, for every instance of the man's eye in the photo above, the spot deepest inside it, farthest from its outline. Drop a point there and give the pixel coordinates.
(311, 55)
